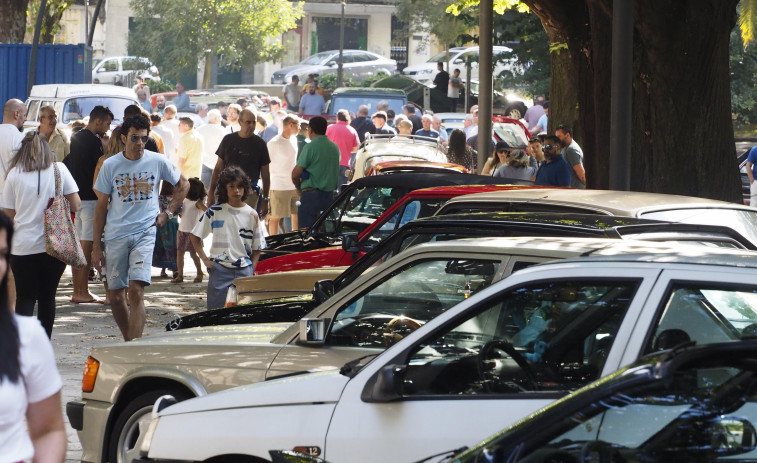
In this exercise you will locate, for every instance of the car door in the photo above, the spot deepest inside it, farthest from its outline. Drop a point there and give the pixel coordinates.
(374, 313)
(108, 71)
(701, 305)
(457, 384)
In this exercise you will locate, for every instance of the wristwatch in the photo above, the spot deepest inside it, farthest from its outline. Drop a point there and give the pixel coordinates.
(169, 214)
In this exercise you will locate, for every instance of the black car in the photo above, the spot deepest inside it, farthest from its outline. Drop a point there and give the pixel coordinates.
(448, 227)
(687, 404)
(362, 202)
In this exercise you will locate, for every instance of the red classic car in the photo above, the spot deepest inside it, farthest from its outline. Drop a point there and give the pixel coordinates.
(414, 205)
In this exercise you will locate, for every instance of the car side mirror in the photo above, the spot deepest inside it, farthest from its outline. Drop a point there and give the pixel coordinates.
(350, 243)
(730, 435)
(313, 331)
(386, 386)
(332, 63)
(323, 290)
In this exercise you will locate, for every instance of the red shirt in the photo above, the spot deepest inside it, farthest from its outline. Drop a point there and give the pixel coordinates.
(345, 138)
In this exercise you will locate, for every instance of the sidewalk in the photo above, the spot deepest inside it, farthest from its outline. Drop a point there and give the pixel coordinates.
(78, 327)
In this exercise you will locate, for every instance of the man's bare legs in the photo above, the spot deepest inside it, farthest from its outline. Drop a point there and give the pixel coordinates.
(273, 225)
(295, 224)
(130, 318)
(80, 277)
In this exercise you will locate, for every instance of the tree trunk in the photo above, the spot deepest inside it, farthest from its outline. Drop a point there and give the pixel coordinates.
(13, 20)
(682, 134)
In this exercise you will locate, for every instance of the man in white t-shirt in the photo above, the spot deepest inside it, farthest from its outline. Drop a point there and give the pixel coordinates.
(453, 89)
(14, 115)
(282, 150)
(212, 133)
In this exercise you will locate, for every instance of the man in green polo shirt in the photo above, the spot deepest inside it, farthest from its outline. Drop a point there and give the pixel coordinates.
(316, 174)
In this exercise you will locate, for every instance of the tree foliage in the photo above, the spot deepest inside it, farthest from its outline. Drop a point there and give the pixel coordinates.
(54, 10)
(12, 20)
(429, 17)
(176, 34)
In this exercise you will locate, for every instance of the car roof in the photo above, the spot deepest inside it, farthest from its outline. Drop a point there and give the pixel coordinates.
(604, 250)
(74, 90)
(389, 92)
(426, 179)
(630, 203)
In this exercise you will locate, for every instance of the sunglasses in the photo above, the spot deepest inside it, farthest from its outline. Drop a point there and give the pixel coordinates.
(507, 152)
(136, 138)
(546, 147)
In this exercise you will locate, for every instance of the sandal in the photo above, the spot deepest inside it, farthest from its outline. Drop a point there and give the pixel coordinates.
(178, 279)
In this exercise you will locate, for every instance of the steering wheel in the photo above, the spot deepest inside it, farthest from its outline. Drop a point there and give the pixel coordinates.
(508, 348)
(604, 450)
(391, 335)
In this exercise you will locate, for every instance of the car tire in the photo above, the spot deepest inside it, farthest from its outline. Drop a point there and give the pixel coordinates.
(516, 110)
(125, 431)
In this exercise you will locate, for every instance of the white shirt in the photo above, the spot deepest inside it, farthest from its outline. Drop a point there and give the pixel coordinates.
(41, 380)
(169, 142)
(173, 126)
(10, 142)
(211, 134)
(235, 234)
(20, 194)
(233, 127)
(283, 154)
(190, 215)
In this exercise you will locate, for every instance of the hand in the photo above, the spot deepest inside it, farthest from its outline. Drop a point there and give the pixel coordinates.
(263, 208)
(208, 263)
(98, 258)
(161, 219)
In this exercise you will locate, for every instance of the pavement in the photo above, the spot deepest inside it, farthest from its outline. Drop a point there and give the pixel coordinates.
(79, 327)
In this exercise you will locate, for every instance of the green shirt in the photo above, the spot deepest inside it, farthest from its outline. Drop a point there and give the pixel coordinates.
(320, 158)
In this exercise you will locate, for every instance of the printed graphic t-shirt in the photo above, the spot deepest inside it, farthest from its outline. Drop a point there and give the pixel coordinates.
(235, 234)
(133, 187)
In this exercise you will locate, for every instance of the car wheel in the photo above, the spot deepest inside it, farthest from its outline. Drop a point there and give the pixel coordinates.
(516, 110)
(133, 420)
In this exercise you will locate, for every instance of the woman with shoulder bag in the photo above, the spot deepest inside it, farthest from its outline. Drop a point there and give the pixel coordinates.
(30, 188)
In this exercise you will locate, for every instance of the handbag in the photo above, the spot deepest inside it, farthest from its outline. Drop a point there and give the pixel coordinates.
(61, 238)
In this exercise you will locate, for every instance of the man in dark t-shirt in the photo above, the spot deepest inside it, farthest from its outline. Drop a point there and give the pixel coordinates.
(250, 153)
(86, 149)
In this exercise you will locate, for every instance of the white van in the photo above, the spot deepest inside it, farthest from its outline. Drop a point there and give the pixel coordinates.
(75, 101)
(123, 69)
(458, 56)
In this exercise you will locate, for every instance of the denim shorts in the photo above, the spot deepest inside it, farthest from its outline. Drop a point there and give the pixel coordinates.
(85, 220)
(129, 258)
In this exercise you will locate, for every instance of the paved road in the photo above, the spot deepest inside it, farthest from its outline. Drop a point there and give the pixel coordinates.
(78, 327)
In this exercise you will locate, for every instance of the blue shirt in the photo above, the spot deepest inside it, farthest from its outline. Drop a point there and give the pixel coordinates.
(554, 173)
(752, 157)
(133, 187)
(312, 104)
(543, 123)
(427, 133)
(181, 102)
(146, 104)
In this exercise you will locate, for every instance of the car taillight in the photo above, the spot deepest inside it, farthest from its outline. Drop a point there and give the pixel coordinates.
(90, 374)
(231, 296)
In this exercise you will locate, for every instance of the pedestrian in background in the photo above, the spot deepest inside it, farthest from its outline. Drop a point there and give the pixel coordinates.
(283, 152)
(320, 160)
(292, 94)
(211, 133)
(346, 138)
(459, 152)
(190, 149)
(28, 189)
(48, 126)
(235, 249)
(191, 211)
(30, 385)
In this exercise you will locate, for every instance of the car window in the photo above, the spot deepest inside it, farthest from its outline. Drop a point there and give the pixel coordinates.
(551, 336)
(352, 103)
(471, 56)
(110, 65)
(697, 414)
(33, 110)
(415, 209)
(346, 58)
(407, 298)
(78, 108)
(705, 314)
(364, 206)
(362, 58)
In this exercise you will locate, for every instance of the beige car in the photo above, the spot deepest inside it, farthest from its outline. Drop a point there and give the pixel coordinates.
(281, 284)
(122, 381)
(669, 208)
(383, 148)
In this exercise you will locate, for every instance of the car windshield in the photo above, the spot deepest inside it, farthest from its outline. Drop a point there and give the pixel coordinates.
(360, 210)
(353, 102)
(319, 58)
(741, 220)
(701, 413)
(442, 57)
(78, 108)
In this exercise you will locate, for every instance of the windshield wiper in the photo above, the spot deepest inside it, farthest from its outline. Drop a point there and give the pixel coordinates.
(351, 368)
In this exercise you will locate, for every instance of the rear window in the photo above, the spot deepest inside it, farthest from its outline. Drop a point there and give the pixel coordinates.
(78, 108)
(352, 103)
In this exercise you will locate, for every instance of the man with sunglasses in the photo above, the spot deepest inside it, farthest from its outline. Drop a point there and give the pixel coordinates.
(556, 170)
(129, 183)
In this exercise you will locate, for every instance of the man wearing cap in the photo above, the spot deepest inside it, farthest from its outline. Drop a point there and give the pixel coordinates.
(379, 121)
(316, 174)
(556, 170)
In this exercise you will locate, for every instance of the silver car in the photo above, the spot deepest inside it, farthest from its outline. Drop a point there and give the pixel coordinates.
(358, 66)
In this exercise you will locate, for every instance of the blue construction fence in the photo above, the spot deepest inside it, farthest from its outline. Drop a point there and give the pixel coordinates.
(56, 64)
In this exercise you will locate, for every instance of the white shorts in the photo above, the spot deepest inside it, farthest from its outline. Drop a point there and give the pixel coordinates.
(85, 220)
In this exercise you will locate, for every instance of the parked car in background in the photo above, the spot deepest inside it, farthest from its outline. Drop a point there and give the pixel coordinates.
(491, 360)
(73, 102)
(123, 70)
(351, 98)
(458, 56)
(358, 65)
(670, 208)
(383, 148)
(655, 410)
(314, 286)
(403, 167)
(357, 207)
